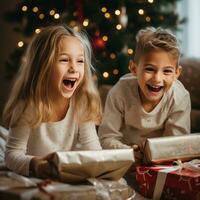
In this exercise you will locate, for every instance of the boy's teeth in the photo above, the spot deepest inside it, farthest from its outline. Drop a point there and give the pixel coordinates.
(154, 88)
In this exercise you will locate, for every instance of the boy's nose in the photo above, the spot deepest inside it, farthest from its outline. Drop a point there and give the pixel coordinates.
(158, 77)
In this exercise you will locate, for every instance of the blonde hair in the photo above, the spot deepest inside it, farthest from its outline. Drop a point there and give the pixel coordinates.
(33, 79)
(154, 39)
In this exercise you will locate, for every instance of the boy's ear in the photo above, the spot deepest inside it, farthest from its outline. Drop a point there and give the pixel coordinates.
(178, 71)
(132, 67)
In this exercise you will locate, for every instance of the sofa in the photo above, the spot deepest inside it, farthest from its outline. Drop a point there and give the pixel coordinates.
(190, 77)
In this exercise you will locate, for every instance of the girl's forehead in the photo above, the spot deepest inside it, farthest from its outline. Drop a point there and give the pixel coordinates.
(70, 44)
(70, 39)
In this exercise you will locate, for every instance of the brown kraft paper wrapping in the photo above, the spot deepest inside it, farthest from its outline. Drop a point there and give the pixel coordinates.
(76, 166)
(164, 149)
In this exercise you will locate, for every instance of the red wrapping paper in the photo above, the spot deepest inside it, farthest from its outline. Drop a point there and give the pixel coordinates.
(181, 184)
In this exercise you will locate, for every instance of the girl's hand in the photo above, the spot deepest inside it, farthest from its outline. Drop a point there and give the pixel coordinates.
(41, 167)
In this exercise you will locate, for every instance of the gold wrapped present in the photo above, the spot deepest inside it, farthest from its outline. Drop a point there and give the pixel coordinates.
(165, 149)
(17, 187)
(76, 166)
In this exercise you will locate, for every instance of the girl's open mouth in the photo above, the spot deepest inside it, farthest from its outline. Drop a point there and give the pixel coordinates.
(69, 83)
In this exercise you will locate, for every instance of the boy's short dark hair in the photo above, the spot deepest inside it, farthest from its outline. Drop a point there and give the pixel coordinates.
(151, 38)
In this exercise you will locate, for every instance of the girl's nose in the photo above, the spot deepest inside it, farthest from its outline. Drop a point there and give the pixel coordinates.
(72, 68)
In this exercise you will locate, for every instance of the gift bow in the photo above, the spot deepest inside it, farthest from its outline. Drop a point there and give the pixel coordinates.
(42, 185)
(193, 165)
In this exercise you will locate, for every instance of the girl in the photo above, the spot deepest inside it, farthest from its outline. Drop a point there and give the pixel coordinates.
(53, 105)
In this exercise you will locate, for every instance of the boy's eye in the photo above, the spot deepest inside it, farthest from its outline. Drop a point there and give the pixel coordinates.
(149, 69)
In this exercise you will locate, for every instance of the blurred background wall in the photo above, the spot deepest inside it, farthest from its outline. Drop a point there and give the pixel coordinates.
(8, 42)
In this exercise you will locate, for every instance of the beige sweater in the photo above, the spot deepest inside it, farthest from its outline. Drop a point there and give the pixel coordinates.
(125, 122)
(24, 142)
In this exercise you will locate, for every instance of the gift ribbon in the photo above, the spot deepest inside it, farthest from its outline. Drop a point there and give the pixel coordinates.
(28, 183)
(162, 174)
(42, 187)
(47, 186)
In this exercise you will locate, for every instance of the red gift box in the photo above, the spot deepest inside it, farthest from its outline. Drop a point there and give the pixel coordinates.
(168, 182)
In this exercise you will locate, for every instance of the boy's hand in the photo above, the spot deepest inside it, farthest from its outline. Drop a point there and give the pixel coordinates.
(138, 158)
(137, 154)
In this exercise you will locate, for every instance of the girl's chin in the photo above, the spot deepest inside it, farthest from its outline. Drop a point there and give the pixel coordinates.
(67, 94)
(68, 90)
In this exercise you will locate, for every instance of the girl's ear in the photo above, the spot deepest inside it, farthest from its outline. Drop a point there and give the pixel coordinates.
(178, 71)
(132, 67)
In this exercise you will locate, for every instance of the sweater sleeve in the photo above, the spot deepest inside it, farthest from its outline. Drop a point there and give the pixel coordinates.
(87, 136)
(179, 122)
(15, 155)
(109, 130)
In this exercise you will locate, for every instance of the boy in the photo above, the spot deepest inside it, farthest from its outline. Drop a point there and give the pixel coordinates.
(150, 101)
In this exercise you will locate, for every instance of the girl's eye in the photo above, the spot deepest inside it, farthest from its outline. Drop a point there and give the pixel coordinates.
(64, 59)
(80, 61)
(168, 71)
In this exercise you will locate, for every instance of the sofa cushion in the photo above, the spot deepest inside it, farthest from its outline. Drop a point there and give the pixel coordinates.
(190, 78)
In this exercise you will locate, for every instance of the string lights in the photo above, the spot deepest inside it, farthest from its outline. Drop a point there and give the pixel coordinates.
(37, 30)
(99, 41)
(20, 44)
(35, 9)
(24, 8)
(86, 22)
(106, 74)
(112, 31)
(56, 16)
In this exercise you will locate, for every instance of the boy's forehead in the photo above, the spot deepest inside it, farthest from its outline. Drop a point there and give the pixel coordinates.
(158, 58)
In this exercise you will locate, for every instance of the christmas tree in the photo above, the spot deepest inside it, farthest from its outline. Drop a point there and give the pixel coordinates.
(110, 24)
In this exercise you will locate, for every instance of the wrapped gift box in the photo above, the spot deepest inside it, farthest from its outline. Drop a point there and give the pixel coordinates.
(164, 149)
(168, 183)
(77, 166)
(17, 187)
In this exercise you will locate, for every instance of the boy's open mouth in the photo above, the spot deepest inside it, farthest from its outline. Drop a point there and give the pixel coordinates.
(155, 88)
(69, 83)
